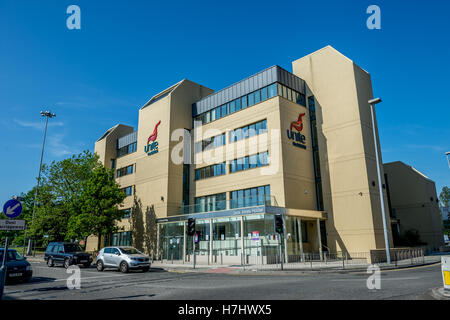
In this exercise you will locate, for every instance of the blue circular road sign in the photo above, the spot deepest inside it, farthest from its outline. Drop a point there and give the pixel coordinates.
(12, 209)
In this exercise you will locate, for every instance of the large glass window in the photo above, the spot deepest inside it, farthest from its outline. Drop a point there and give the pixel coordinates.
(121, 239)
(214, 202)
(126, 149)
(210, 143)
(250, 197)
(125, 171)
(248, 131)
(210, 171)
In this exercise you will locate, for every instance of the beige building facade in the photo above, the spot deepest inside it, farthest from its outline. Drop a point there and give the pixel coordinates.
(413, 206)
(297, 144)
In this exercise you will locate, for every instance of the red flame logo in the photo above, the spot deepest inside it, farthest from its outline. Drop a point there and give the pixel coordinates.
(298, 125)
(154, 135)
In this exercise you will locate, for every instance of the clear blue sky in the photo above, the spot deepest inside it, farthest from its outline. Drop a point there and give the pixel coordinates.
(126, 51)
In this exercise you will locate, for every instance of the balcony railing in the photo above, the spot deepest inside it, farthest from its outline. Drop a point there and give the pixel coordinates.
(211, 206)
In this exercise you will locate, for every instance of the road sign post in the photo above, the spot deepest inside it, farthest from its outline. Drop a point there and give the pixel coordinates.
(3, 269)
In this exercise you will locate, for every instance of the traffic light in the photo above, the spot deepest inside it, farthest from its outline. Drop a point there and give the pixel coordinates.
(191, 227)
(278, 224)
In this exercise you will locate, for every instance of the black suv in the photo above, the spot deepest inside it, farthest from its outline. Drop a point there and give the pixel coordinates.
(66, 254)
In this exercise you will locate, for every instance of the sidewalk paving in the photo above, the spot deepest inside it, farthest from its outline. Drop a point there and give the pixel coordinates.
(290, 268)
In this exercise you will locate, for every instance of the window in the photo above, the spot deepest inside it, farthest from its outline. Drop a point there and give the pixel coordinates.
(232, 106)
(125, 171)
(210, 171)
(263, 94)
(126, 213)
(251, 99)
(214, 202)
(218, 116)
(248, 131)
(210, 143)
(128, 190)
(249, 162)
(223, 111)
(119, 239)
(244, 102)
(126, 149)
(257, 97)
(272, 90)
(238, 104)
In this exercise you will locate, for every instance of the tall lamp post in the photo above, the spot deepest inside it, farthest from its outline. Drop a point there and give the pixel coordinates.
(448, 160)
(372, 103)
(47, 115)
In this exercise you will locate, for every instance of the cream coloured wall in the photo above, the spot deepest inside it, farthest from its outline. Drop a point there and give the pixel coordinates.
(414, 202)
(347, 155)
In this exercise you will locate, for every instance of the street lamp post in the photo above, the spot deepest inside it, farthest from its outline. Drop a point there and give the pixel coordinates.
(372, 103)
(46, 114)
(448, 160)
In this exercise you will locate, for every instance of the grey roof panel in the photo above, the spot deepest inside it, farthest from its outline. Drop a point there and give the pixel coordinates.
(126, 140)
(248, 85)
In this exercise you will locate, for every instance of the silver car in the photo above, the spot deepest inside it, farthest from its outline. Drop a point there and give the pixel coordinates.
(123, 258)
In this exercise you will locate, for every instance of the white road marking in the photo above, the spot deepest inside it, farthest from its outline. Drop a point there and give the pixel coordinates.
(393, 279)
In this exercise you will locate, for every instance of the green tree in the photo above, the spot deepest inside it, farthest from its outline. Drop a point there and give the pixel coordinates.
(99, 206)
(62, 185)
(445, 196)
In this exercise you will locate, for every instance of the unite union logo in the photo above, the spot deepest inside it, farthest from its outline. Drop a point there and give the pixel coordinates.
(152, 144)
(297, 137)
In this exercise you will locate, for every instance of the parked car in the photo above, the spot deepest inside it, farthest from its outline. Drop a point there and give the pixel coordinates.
(17, 267)
(66, 254)
(123, 258)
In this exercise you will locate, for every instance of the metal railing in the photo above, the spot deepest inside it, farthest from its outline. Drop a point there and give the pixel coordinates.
(307, 261)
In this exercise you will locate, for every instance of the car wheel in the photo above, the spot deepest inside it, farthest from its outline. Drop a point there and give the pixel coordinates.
(100, 266)
(124, 267)
(145, 269)
(66, 263)
(50, 262)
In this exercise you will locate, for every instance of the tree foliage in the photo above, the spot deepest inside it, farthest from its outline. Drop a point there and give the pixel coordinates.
(77, 197)
(445, 196)
(98, 205)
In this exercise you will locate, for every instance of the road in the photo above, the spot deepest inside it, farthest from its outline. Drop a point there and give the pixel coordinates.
(51, 283)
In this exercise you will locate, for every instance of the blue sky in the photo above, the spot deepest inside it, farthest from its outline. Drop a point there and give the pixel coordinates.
(126, 51)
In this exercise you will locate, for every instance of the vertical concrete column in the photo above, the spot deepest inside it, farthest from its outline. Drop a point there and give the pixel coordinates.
(242, 241)
(211, 243)
(300, 237)
(184, 242)
(319, 238)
